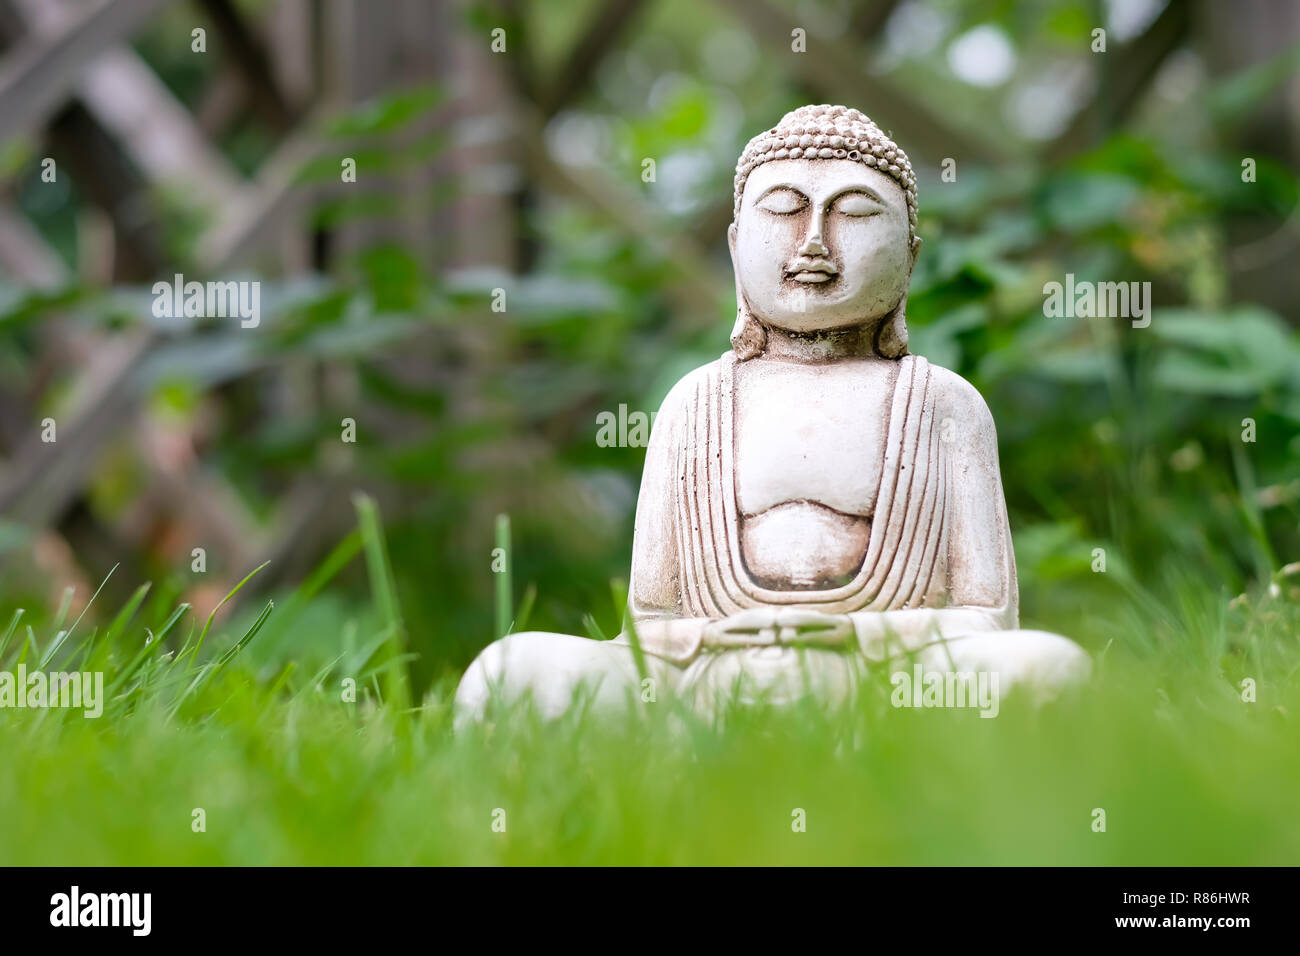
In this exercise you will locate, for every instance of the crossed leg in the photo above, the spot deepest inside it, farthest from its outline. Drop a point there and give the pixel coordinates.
(554, 669)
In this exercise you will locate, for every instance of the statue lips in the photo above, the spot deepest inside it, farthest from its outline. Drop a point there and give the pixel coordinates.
(805, 269)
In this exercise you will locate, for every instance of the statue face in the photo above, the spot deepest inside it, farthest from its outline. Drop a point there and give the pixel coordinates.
(821, 244)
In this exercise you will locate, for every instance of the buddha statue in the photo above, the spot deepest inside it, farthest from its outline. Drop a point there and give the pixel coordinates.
(817, 502)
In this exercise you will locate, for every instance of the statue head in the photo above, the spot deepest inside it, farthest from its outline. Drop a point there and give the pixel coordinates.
(824, 231)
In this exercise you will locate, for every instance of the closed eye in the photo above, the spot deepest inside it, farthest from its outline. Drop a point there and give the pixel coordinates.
(782, 201)
(856, 204)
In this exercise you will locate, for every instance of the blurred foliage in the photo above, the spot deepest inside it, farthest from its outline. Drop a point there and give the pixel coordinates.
(1111, 437)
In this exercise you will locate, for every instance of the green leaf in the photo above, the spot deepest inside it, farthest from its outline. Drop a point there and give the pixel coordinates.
(388, 113)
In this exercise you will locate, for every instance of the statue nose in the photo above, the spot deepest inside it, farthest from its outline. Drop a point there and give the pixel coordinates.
(812, 245)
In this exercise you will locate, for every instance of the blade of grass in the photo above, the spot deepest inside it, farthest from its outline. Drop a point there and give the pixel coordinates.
(171, 621)
(398, 690)
(592, 627)
(86, 648)
(249, 634)
(87, 645)
(207, 670)
(64, 605)
(318, 677)
(504, 590)
(280, 682)
(1265, 559)
(50, 651)
(9, 632)
(525, 609)
(201, 677)
(233, 591)
(334, 562)
(127, 672)
(152, 642)
(91, 601)
(128, 611)
(185, 652)
(95, 658)
(618, 588)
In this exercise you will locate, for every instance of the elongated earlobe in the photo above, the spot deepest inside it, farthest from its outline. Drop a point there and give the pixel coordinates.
(748, 337)
(891, 337)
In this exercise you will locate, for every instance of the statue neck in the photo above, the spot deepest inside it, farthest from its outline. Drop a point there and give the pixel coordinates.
(818, 347)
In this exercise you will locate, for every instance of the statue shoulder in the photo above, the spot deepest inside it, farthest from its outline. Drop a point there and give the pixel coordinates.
(682, 395)
(959, 400)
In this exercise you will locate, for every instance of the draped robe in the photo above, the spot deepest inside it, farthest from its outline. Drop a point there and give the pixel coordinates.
(692, 513)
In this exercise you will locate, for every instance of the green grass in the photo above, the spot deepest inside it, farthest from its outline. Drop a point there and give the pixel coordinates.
(249, 723)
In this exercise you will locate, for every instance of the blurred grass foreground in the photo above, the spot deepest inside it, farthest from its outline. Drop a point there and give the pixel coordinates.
(242, 757)
(477, 232)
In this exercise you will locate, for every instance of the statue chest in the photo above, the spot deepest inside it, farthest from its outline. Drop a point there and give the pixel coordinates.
(810, 433)
(809, 443)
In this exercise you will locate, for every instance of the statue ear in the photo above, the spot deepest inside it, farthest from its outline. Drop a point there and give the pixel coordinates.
(891, 336)
(748, 337)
